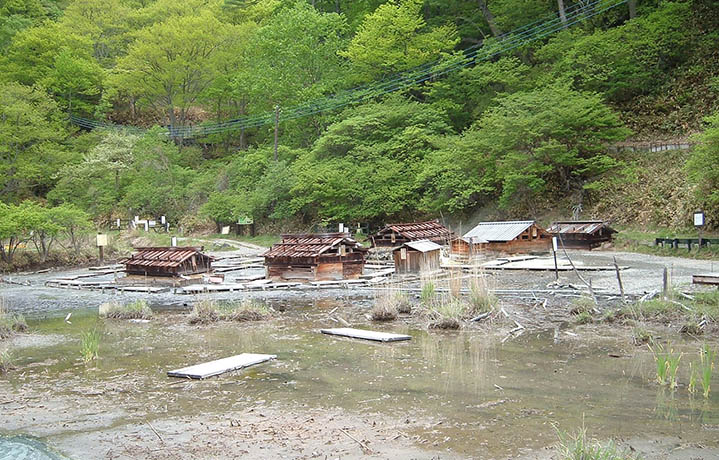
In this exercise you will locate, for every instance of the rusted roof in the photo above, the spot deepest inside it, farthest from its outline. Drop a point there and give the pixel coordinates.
(498, 231)
(310, 244)
(429, 230)
(579, 226)
(161, 257)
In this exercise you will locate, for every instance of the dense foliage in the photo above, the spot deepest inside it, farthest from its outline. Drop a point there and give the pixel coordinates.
(520, 132)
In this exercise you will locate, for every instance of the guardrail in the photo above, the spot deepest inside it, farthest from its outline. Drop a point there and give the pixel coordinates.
(676, 243)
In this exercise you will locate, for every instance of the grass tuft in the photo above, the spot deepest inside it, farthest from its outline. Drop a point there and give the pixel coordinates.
(90, 345)
(10, 323)
(133, 310)
(578, 446)
(209, 311)
(5, 361)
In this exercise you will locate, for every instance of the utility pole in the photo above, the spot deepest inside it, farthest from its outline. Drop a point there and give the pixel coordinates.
(277, 127)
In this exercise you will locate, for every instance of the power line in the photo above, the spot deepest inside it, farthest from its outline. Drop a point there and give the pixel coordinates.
(401, 80)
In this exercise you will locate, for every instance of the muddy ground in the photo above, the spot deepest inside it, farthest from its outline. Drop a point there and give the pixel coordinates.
(476, 393)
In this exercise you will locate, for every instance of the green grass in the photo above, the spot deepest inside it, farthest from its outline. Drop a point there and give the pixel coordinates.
(133, 310)
(643, 242)
(707, 359)
(10, 323)
(5, 361)
(209, 311)
(90, 345)
(578, 446)
(481, 297)
(428, 293)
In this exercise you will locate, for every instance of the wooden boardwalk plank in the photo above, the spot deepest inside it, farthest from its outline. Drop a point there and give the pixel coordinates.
(366, 335)
(706, 278)
(220, 366)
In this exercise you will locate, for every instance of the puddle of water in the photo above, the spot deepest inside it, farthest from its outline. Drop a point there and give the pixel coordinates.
(469, 393)
(21, 448)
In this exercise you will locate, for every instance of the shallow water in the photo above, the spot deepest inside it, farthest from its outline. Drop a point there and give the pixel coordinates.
(20, 448)
(469, 392)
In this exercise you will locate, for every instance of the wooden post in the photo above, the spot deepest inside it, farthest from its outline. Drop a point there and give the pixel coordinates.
(554, 251)
(277, 127)
(665, 284)
(102, 254)
(619, 280)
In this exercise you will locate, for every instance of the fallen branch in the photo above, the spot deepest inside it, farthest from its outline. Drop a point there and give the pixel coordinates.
(154, 431)
(364, 447)
(481, 317)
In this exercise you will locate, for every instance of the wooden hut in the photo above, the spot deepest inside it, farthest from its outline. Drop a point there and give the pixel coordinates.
(512, 237)
(167, 262)
(463, 248)
(315, 257)
(393, 235)
(416, 257)
(582, 234)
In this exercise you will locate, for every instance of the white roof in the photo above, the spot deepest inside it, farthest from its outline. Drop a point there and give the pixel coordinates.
(423, 245)
(498, 231)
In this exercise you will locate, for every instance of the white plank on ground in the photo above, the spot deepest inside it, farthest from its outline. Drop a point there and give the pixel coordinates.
(366, 335)
(220, 366)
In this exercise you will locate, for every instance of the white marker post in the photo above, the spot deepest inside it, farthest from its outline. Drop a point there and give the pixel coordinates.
(554, 250)
(174, 241)
(699, 223)
(101, 243)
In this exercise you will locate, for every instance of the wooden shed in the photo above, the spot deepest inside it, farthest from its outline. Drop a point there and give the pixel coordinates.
(416, 257)
(582, 234)
(393, 235)
(512, 236)
(167, 261)
(315, 257)
(463, 248)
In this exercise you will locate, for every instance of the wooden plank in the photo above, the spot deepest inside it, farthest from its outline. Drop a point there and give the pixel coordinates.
(706, 278)
(366, 335)
(220, 366)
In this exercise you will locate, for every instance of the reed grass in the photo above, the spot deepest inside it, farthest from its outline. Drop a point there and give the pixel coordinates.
(5, 361)
(481, 295)
(210, 311)
(10, 323)
(578, 446)
(90, 345)
(660, 358)
(707, 359)
(388, 304)
(428, 293)
(133, 310)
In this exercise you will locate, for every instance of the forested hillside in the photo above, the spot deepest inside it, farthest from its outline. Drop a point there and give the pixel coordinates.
(386, 110)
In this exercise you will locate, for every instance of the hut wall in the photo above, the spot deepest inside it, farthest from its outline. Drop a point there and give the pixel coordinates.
(282, 272)
(329, 267)
(584, 241)
(416, 261)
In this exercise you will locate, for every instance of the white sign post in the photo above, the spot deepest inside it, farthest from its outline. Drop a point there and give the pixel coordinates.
(699, 223)
(554, 251)
(101, 243)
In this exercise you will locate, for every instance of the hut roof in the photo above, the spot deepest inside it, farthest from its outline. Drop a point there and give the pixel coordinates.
(422, 245)
(498, 231)
(310, 244)
(419, 230)
(580, 226)
(162, 256)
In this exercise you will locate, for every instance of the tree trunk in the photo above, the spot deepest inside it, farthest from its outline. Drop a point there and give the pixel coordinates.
(562, 13)
(489, 17)
(632, 9)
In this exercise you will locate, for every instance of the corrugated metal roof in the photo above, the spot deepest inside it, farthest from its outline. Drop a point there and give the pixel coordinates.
(499, 231)
(580, 226)
(310, 245)
(161, 257)
(474, 240)
(419, 230)
(423, 245)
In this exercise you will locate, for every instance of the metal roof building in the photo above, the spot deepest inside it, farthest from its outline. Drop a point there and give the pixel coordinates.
(417, 256)
(510, 236)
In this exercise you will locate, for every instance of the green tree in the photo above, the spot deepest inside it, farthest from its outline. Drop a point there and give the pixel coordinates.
(77, 82)
(395, 38)
(74, 223)
(702, 170)
(363, 167)
(171, 63)
(32, 135)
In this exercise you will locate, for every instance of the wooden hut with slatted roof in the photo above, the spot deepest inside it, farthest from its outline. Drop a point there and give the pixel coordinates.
(393, 235)
(167, 261)
(315, 257)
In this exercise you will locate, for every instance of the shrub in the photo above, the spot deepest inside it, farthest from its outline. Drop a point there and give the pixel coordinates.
(578, 447)
(10, 323)
(90, 345)
(209, 311)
